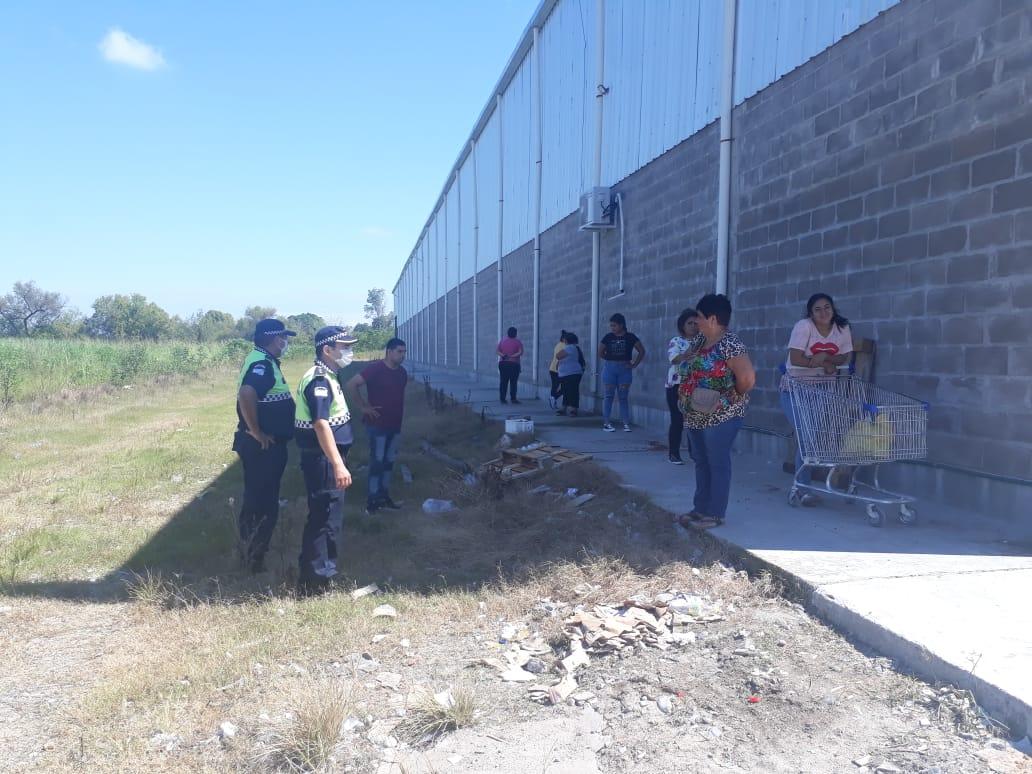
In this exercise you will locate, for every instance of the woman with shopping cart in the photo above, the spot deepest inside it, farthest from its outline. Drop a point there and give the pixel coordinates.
(843, 424)
(713, 395)
(820, 343)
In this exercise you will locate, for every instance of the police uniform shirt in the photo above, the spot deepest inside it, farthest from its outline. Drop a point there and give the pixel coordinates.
(319, 397)
(276, 417)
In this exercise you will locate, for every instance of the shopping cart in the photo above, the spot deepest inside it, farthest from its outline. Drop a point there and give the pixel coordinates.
(846, 425)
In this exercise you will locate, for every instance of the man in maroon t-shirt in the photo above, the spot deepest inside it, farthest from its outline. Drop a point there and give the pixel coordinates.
(385, 382)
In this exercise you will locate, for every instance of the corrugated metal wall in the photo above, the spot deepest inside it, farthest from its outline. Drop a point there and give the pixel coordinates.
(662, 65)
(776, 36)
(567, 52)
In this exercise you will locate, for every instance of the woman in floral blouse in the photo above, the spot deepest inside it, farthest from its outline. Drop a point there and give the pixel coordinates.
(713, 395)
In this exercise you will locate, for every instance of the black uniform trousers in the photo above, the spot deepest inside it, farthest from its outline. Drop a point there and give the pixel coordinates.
(259, 511)
(318, 560)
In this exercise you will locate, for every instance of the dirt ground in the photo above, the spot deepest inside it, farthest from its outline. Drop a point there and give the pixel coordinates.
(185, 665)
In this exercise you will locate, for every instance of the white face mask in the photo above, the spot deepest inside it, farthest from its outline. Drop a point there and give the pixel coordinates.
(345, 358)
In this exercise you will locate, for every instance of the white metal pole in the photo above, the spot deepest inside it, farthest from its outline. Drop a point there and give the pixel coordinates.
(537, 206)
(476, 258)
(458, 271)
(437, 291)
(444, 209)
(727, 104)
(501, 206)
(596, 237)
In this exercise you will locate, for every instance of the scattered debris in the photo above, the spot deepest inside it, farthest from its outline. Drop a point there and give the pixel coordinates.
(352, 724)
(430, 505)
(227, 730)
(379, 638)
(365, 591)
(385, 611)
(165, 742)
(390, 680)
(406, 473)
(579, 501)
(637, 622)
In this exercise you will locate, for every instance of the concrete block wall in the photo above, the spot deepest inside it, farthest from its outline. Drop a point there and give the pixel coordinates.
(518, 304)
(449, 335)
(894, 171)
(565, 293)
(465, 310)
(487, 321)
(669, 257)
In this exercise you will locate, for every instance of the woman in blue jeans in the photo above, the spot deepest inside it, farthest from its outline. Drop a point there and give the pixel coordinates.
(620, 352)
(714, 393)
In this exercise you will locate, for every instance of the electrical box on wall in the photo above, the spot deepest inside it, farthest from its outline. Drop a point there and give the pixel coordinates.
(596, 210)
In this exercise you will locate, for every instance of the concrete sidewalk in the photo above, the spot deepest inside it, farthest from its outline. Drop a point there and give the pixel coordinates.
(945, 599)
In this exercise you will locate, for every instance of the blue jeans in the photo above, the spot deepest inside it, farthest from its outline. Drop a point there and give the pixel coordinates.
(786, 406)
(383, 449)
(617, 376)
(711, 453)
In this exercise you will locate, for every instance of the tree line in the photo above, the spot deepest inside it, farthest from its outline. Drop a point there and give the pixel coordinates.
(28, 310)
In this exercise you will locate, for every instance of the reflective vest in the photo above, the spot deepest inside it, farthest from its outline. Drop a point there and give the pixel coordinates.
(279, 390)
(339, 414)
(276, 407)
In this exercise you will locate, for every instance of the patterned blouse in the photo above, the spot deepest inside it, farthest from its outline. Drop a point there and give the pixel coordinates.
(709, 369)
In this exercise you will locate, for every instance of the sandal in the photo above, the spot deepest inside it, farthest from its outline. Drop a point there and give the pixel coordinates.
(689, 519)
(707, 522)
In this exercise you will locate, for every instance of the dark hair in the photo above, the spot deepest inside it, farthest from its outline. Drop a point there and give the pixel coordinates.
(836, 319)
(571, 338)
(619, 319)
(394, 344)
(684, 317)
(511, 333)
(715, 305)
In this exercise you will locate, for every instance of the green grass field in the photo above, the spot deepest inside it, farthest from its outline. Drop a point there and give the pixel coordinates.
(37, 368)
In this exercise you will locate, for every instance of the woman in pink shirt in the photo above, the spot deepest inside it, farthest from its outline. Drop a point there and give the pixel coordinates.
(819, 344)
(510, 349)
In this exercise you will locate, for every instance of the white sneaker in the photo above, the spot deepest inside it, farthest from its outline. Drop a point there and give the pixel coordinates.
(626, 427)
(607, 427)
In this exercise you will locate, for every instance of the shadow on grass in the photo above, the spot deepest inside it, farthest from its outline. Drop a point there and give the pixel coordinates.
(499, 533)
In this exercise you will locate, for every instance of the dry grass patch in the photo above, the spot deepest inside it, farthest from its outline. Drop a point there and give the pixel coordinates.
(430, 715)
(309, 739)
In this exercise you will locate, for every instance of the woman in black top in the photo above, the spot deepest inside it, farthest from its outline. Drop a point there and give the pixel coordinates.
(621, 352)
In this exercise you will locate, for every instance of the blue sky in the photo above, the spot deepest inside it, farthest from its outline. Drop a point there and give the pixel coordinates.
(219, 155)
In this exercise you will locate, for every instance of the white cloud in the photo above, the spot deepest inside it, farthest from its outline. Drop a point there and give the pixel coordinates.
(122, 48)
(377, 232)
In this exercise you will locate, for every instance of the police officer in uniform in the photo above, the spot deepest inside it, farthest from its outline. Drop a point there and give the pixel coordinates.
(323, 433)
(265, 408)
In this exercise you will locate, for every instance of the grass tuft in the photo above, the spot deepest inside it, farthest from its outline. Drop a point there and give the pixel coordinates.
(432, 715)
(308, 742)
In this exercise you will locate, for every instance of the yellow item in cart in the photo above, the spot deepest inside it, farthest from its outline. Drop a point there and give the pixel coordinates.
(867, 439)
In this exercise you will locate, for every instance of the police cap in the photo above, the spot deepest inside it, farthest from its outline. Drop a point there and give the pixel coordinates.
(272, 327)
(331, 334)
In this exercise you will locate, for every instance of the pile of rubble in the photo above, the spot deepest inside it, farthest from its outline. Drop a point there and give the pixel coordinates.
(661, 622)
